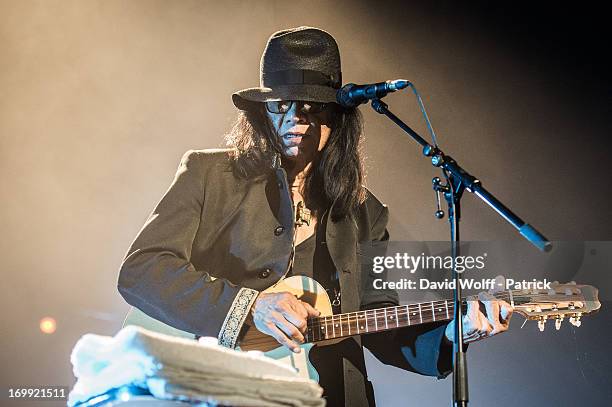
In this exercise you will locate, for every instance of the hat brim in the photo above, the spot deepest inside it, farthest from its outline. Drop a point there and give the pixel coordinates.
(244, 99)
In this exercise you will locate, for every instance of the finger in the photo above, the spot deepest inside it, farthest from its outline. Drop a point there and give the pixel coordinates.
(492, 307)
(289, 328)
(471, 321)
(483, 329)
(299, 310)
(312, 312)
(297, 320)
(486, 327)
(472, 336)
(283, 339)
(505, 313)
(287, 300)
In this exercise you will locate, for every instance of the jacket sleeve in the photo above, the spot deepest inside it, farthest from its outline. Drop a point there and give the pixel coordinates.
(421, 349)
(158, 278)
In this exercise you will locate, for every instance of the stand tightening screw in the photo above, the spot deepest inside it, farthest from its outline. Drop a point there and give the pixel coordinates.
(439, 214)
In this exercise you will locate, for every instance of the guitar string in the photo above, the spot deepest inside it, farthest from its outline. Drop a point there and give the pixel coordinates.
(426, 314)
(443, 303)
(405, 317)
(317, 321)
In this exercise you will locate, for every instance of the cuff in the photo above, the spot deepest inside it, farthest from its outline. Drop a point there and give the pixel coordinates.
(236, 316)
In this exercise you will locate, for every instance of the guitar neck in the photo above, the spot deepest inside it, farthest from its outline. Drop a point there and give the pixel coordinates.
(383, 319)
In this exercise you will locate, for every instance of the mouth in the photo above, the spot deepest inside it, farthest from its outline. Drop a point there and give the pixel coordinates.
(292, 139)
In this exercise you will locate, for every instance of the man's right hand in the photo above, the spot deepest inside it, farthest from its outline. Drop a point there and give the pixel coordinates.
(282, 316)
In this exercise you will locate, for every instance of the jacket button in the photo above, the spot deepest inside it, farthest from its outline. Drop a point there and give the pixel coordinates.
(279, 230)
(264, 273)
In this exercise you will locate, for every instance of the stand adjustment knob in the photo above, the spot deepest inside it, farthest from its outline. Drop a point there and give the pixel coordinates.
(437, 186)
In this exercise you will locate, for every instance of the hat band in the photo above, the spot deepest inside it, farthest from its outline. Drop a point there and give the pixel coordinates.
(300, 77)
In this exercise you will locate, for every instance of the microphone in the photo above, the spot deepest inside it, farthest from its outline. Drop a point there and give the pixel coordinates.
(352, 95)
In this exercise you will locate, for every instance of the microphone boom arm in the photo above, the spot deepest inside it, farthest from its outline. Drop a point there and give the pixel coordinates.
(469, 182)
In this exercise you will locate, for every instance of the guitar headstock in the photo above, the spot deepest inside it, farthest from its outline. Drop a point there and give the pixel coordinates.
(561, 301)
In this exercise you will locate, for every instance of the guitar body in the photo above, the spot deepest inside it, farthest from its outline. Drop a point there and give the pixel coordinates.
(304, 288)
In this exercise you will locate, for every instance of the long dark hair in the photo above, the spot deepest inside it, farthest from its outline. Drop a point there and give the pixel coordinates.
(335, 178)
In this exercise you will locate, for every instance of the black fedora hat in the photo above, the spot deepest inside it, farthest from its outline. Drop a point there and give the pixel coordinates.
(300, 63)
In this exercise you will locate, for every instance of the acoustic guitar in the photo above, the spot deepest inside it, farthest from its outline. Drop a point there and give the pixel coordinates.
(562, 301)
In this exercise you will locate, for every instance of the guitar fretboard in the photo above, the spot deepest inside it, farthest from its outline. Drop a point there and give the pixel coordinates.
(376, 320)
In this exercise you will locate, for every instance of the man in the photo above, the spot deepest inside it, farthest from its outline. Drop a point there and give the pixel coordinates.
(285, 199)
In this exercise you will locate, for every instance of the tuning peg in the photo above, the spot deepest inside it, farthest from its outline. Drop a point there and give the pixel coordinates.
(558, 323)
(542, 324)
(575, 321)
(572, 283)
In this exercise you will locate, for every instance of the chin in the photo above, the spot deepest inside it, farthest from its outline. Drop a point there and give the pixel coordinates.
(291, 152)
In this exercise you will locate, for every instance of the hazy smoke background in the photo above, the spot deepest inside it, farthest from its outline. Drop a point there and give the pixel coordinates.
(100, 99)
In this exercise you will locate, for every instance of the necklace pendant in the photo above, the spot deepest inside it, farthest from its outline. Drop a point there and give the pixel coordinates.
(336, 301)
(302, 215)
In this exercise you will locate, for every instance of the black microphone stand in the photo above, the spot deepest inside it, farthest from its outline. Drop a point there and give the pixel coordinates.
(459, 181)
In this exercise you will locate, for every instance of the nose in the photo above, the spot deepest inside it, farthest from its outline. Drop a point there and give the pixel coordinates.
(295, 114)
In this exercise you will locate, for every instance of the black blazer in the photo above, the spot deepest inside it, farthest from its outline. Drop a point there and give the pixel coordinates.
(214, 241)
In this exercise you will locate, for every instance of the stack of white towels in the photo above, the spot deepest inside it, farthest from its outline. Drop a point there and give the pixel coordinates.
(174, 368)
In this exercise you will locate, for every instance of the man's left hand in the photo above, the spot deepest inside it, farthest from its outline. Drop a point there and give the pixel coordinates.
(477, 325)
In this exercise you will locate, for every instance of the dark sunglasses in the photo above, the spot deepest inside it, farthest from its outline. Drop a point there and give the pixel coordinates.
(283, 106)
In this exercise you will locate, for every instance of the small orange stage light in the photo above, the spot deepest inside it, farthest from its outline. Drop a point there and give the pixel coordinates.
(48, 325)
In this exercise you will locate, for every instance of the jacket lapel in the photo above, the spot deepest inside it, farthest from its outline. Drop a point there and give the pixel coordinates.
(341, 238)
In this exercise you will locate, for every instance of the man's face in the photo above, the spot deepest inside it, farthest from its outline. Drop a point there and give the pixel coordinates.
(303, 127)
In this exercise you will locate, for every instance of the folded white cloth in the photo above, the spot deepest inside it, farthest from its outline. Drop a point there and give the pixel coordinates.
(183, 369)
